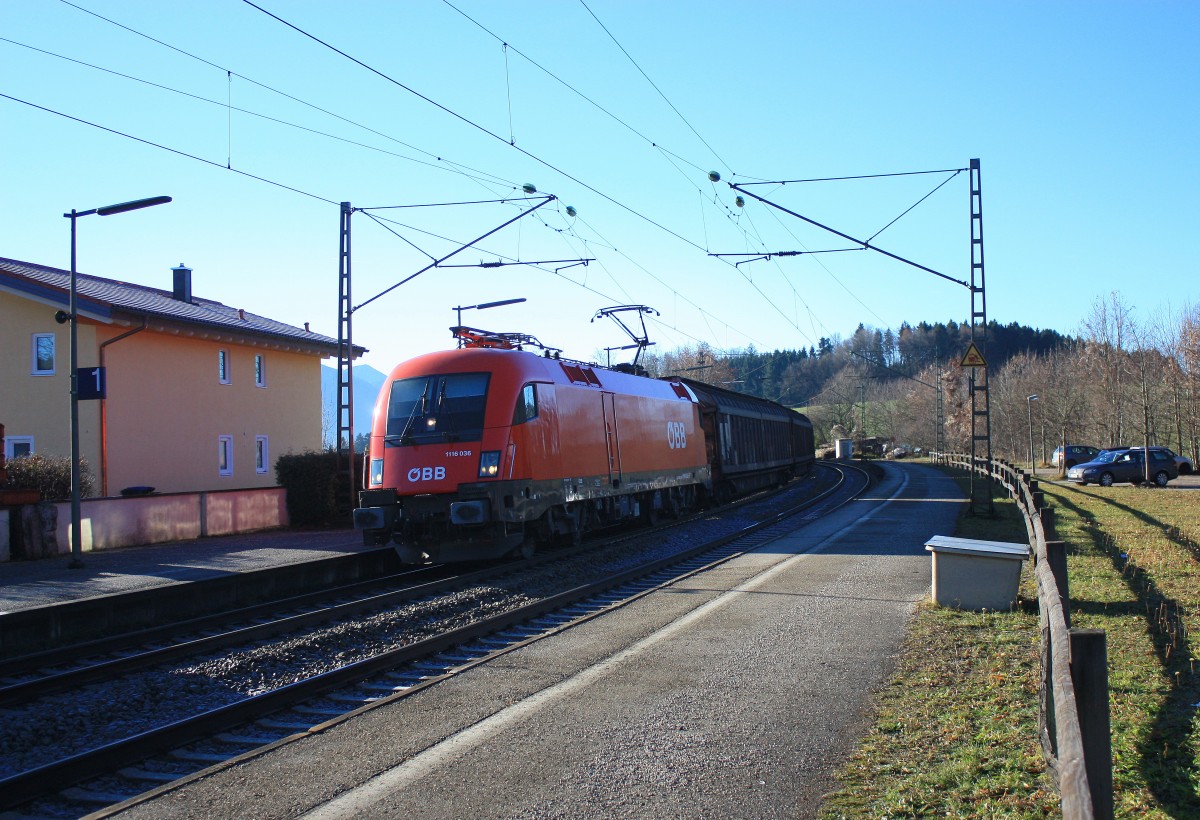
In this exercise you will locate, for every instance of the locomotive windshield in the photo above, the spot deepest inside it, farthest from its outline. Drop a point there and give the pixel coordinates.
(437, 408)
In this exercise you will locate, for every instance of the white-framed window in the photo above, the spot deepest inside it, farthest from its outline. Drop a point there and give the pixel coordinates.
(224, 455)
(41, 354)
(17, 446)
(262, 455)
(223, 375)
(260, 370)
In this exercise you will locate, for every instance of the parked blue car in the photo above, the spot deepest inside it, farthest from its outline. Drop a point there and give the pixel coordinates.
(1115, 466)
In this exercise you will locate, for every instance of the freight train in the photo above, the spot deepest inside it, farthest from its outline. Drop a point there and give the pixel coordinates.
(489, 450)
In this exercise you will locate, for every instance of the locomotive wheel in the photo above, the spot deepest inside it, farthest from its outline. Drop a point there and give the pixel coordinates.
(673, 504)
(567, 524)
(576, 534)
(651, 516)
(527, 549)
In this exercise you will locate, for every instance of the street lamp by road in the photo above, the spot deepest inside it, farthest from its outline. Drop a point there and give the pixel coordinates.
(1032, 463)
(73, 318)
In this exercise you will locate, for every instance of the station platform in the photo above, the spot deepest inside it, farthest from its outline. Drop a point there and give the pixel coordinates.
(733, 693)
(49, 581)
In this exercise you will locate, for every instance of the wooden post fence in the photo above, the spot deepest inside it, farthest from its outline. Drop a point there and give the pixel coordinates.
(1074, 703)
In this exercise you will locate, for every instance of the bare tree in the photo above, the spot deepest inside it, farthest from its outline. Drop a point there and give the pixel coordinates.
(839, 404)
(913, 417)
(957, 407)
(1106, 331)
(702, 363)
(1011, 407)
(1189, 363)
(1159, 359)
(1182, 346)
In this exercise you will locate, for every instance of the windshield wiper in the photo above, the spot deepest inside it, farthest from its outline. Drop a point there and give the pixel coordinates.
(404, 434)
(449, 434)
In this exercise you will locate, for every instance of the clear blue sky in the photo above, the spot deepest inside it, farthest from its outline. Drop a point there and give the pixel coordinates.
(1084, 117)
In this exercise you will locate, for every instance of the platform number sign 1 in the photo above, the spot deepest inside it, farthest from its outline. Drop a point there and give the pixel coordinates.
(90, 383)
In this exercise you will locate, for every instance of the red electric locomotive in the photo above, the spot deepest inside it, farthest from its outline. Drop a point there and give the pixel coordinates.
(486, 450)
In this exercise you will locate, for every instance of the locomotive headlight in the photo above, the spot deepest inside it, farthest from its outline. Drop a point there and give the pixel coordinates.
(489, 463)
(376, 472)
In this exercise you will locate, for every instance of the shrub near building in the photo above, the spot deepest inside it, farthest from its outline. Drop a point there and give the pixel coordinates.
(50, 475)
(310, 480)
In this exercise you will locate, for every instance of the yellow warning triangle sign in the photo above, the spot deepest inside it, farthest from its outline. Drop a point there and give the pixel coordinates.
(973, 358)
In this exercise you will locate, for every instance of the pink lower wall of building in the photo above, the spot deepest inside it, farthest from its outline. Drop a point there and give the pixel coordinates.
(111, 523)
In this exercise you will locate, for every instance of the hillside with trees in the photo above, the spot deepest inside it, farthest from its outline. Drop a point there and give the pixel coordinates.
(1117, 382)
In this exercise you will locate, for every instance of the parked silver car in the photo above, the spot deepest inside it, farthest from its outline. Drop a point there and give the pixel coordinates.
(1182, 463)
(1076, 454)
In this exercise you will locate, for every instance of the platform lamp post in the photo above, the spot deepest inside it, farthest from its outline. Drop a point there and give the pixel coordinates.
(1032, 462)
(460, 308)
(73, 318)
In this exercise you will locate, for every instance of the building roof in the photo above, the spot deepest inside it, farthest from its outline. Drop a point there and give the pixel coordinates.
(111, 301)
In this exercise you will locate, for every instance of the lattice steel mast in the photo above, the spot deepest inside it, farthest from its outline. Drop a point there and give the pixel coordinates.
(981, 419)
(345, 367)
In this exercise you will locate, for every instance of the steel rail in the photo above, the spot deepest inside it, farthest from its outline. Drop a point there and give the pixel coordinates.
(266, 622)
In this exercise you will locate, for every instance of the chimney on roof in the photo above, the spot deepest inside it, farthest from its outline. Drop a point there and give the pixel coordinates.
(183, 283)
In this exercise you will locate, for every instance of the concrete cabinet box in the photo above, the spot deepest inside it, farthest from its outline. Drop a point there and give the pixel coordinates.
(973, 574)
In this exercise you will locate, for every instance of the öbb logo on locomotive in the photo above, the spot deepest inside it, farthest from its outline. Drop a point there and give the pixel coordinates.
(485, 451)
(677, 435)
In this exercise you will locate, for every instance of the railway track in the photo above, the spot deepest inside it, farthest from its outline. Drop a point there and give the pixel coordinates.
(66, 668)
(134, 768)
(107, 620)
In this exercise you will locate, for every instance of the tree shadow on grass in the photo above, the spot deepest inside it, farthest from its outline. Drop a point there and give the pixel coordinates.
(1168, 759)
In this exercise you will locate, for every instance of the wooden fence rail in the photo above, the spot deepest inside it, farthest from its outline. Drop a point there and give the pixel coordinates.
(1074, 724)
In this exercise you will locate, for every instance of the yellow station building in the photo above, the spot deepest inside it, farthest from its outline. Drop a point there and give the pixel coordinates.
(198, 396)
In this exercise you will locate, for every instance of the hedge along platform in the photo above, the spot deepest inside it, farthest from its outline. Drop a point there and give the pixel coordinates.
(973, 574)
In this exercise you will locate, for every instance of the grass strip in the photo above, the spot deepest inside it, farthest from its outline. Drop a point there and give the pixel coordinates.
(1134, 564)
(956, 728)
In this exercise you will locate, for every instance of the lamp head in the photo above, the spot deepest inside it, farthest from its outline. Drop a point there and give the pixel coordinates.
(122, 207)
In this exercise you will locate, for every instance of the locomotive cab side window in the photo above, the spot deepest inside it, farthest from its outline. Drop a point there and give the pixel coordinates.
(527, 406)
(429, 409)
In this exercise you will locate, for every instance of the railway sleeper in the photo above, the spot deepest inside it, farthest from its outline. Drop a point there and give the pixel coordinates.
(91, 797)
(145, 775)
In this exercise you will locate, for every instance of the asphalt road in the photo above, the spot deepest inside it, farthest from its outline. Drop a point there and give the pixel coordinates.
(735, 693)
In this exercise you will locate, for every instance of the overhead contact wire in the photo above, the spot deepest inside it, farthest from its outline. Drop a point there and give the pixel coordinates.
(171, 150)
(478, 127)
(474, 173)
(262, 85)
(655, 87)
(456, 167)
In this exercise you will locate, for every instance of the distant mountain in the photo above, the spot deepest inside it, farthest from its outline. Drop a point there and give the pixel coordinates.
(367, 383)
